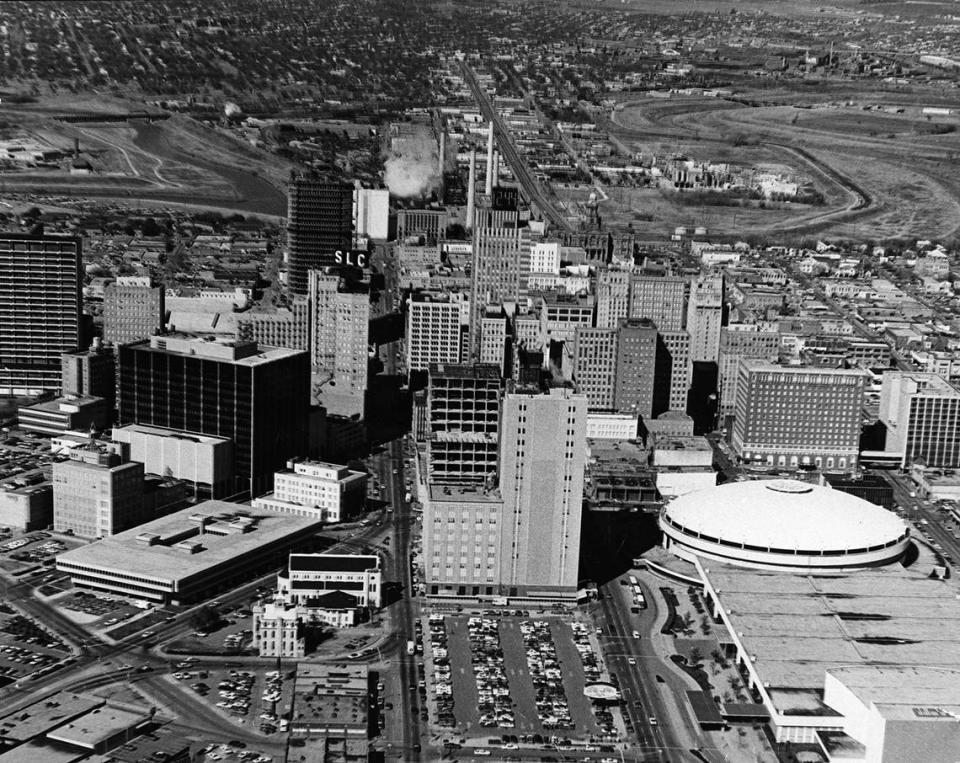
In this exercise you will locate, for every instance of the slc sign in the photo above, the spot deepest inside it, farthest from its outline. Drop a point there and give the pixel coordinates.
(349, 257)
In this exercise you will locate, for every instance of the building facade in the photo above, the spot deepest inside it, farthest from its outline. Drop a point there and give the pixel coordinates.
(921, 412)
(257, 397)
(133, 309)
(40, 310)
(595, 366)
(330, 492)
(310, 576)
(677, 347)
(96, 494)
(613, 297)
(642, 384)
(203, 462)
(740, 341)
(787, 416)
(91, 372)
(501, 266)
(542, 460)
(434, 330)
(319, 223)
(662, 299)
(463, 418)
(705, 318)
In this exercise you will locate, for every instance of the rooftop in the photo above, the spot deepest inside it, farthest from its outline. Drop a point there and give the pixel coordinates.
(189, 541)
(465, 371)
(201, 439)
(98, 725)
(796, 627)
(215, 348)
(666, 442)
(465, 493)
(333, 562)
(785, 514)
(41, 717)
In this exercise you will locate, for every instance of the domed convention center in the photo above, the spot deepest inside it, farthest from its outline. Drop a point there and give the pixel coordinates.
(783, 525)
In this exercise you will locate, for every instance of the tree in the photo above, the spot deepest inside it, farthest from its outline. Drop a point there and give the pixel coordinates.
(205, 619)
(696, 656)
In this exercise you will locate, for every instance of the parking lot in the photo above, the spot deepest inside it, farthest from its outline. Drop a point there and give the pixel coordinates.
(519, 675)
(19, 552)
(25, 647)
(258, 699)
(96, 609)
(232, 754)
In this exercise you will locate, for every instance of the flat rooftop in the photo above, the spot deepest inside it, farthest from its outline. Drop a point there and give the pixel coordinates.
(41, 717)
(202, 439)
(465, 371)
(98, 725)
(215, 348)
(449, 493)
(40, 751)
(800, 626)
(164, 550)
(673, 442)
(331, 695)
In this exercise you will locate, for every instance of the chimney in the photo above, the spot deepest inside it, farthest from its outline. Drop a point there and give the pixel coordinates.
(488, 190)
(471, 189)
(442, 160)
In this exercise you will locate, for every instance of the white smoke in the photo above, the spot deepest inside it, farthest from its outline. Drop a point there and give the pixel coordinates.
(411, 170)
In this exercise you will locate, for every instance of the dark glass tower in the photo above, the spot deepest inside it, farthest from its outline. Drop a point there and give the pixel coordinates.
(258, 397)
(319, 222)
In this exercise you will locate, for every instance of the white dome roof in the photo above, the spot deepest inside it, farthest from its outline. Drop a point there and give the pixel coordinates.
(784, 514)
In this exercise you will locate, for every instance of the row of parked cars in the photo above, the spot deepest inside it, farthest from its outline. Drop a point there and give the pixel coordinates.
(486, 656)
(591, 672)
(443, 685)
(235, 693)
(544, 666)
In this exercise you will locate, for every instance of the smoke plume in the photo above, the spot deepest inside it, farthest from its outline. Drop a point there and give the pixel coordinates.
(411, 170)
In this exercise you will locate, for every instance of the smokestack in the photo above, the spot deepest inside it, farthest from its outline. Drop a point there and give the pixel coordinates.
(441, 161)
(471, 188)
(489, 186)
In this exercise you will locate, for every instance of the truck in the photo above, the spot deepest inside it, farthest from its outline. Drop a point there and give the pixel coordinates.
(407, 497)
(411, 647)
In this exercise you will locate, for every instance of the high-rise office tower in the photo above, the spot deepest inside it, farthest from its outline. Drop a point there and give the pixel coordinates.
(463, 417)
(705, 318)
(677, 346)
(434, 329)
(40, 310)
(340, 332)
(319, 222)
(788, 416)
(613, 297)
(501, 266)
(738, 341)
(595, 366)
(542, 459)
(642, 375)
(662, 299)
(91, 372)
(133, 309)
(921, 412)
(259, 397)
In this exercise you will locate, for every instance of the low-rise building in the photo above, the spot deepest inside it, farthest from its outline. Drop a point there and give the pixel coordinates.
(26, 508)
(65, 414)
(329, 492)
(191, 554)
(311, 576)
(204, 462)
